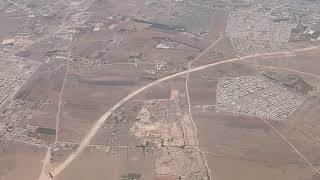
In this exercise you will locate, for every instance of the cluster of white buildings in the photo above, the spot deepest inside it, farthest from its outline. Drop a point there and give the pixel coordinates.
(258, 96)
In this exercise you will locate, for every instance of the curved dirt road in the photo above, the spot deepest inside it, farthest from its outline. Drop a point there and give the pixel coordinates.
(86, 141)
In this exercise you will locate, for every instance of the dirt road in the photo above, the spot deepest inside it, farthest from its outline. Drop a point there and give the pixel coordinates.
(46, 166)
(86, 141)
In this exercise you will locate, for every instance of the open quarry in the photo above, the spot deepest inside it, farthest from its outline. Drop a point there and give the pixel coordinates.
(159, 90)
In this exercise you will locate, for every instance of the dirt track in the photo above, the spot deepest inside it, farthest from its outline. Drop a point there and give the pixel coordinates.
(86, 141)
